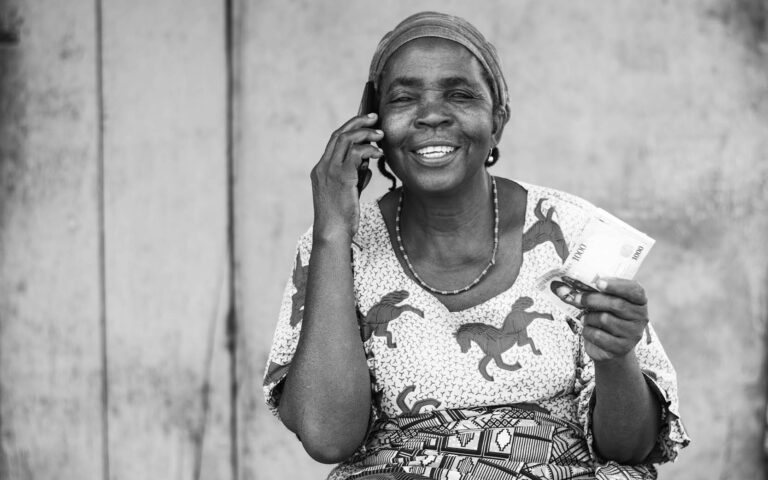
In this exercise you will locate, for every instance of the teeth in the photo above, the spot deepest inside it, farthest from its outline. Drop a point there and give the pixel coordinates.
(435, 151)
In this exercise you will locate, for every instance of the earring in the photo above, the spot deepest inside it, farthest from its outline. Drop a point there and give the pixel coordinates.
(493, 157)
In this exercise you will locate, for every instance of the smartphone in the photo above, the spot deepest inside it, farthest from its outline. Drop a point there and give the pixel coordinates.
(368, 104)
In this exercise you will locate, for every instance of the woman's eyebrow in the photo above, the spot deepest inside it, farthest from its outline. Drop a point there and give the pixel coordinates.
(405, 82)
(451, 82)
(448, 82)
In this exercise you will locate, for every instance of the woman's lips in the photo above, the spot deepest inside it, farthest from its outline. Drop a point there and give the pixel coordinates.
(435, 155)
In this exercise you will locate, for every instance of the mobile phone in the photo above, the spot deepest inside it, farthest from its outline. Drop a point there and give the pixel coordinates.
(368, 104)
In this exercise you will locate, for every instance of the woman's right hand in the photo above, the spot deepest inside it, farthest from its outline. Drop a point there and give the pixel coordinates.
(334, 178)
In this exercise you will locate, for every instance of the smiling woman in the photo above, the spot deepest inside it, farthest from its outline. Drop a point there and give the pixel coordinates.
(429, 354)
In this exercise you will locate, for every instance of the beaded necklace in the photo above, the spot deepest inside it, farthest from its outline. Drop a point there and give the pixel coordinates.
(485, 271)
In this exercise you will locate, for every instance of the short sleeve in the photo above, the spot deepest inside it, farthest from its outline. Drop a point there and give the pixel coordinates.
(286, 336)
(660, 376)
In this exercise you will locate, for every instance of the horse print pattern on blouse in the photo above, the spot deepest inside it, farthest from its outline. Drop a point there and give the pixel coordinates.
(378, 317)
(417, 405)
(545, 230)
(276, 372)
(300, 282)
(494, 341)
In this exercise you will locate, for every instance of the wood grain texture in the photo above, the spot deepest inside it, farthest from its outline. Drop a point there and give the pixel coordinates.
(167, 258)
(654, 111)
(50, 289)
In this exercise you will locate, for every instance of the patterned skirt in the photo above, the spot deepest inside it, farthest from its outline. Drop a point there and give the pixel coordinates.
(485, 443)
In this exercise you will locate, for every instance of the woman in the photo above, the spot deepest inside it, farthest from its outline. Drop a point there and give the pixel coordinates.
(429, 354)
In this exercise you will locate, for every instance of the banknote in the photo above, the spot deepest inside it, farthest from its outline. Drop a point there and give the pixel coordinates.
(606, 247)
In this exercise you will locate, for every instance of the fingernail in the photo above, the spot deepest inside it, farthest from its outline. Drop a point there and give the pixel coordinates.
(602, 285)
(380, 132)
(372, 115)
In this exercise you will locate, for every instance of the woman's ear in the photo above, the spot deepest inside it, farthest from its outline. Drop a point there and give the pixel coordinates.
(500, 118)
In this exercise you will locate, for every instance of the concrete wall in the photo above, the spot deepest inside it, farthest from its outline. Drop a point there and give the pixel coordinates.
(656, 110)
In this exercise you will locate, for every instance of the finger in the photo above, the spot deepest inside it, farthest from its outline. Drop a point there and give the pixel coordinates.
(603, 302)
(352, 168)
(629, 290)
(368, 119)
(354, 138)
(616, 327)
(360, 153)
(347, 141)
(357, 122)
(603, 340)
(611, 333)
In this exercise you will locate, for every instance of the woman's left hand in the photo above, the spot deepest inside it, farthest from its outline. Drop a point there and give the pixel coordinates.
(615, 320)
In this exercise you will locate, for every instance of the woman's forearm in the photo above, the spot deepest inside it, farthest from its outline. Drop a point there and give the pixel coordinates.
(326, 398)
(626, 417)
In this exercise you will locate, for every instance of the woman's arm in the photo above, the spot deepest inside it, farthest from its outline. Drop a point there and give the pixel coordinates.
(627, 416)
(326, 397)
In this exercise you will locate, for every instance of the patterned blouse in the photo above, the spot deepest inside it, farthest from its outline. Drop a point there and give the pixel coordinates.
(426, 361)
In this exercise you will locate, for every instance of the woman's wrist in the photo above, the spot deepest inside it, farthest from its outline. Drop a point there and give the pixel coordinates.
(621, 374)
(326, 236)
(617, 365)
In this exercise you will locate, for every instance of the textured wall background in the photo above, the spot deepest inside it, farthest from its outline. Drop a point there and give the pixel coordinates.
(114, 246)
(147, 148)
(657, 111)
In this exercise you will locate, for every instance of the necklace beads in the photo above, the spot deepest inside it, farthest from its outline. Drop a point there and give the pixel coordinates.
(485, 271)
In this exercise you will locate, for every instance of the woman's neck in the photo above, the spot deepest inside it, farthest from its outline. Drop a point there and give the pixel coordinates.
(453, 227)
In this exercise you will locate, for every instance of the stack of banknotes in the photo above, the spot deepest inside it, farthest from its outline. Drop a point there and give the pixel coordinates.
(606, 247)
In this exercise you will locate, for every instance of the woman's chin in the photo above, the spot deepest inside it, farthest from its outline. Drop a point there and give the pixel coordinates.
(436, 181)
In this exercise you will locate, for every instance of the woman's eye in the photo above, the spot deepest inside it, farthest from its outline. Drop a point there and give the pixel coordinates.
(462, 95)
(400, 99)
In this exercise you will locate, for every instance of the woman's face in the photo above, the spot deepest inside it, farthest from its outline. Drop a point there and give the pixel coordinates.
(437, 114)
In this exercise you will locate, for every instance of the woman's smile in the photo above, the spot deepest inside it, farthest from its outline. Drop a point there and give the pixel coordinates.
(436, 151)
(436, 156)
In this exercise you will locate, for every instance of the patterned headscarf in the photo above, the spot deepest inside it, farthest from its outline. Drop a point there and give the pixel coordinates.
(433, 24)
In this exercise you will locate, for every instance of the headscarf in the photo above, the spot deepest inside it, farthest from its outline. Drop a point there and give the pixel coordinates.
(456, 29)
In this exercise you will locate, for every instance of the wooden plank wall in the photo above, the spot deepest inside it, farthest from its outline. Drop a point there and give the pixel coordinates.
(166, 244)
(50, 287)
(51, 368)
(120, 357)
(114, 241)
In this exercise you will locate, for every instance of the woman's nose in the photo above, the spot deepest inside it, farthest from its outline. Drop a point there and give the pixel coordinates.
(432, 114)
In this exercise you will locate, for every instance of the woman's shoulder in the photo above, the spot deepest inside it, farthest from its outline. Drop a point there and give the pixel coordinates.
(549, 208)
(555, 197)
(371, 230)
(370, 212)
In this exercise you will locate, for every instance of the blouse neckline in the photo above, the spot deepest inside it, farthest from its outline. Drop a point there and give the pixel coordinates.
(381, 228)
